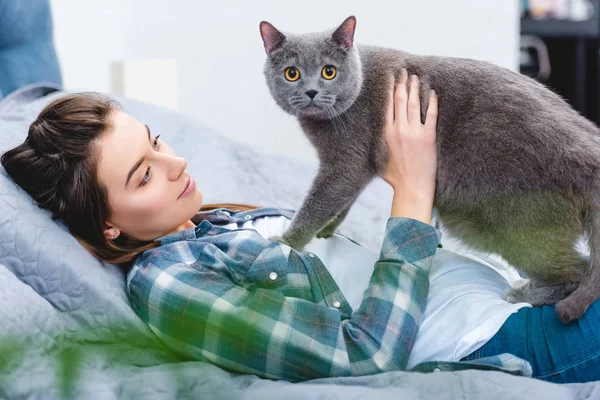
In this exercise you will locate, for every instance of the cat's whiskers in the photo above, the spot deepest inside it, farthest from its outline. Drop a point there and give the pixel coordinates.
(295, 99)
(336, 120)
(330, 117)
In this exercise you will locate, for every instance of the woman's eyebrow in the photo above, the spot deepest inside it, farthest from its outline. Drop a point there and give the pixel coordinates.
(139, 162)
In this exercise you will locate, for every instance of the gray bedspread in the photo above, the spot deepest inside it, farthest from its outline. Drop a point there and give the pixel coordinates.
(67, 328)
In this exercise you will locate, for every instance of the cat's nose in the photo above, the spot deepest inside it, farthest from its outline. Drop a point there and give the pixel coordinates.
(311, 93)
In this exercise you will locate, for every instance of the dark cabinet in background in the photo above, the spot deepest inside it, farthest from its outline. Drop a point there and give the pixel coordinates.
(573, 51)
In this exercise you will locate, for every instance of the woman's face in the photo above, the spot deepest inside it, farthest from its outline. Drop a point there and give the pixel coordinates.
(150, 192)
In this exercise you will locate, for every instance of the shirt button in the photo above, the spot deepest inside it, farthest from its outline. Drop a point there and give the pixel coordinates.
(247, 217)
(337, 304)
(273, 276)
(437, 370)
(311, 255)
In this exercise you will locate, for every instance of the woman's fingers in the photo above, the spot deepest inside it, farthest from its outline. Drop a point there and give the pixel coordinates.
(414, 105)
(432, 113)
(389, 110)
(401, 99)
(404, 106)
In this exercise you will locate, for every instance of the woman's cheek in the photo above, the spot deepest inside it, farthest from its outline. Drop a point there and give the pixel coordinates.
(158, 204)
(149, 205)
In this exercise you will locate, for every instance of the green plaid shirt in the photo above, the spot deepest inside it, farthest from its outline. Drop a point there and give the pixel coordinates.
(249, 305)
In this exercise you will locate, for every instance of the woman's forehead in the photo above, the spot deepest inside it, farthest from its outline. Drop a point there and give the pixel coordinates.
(120, 147)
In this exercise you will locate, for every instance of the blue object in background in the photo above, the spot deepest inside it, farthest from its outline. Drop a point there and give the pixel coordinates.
(27, 52)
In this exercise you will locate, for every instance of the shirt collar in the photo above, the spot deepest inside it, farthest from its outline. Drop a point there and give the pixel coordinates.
(186, 234)
(205, 220)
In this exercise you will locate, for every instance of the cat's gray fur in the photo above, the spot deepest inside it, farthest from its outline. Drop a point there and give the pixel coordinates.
(517, 166)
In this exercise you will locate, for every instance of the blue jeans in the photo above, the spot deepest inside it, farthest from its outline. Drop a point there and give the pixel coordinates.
(558, 352)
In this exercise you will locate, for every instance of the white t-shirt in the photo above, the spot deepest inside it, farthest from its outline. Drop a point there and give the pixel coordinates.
(465, 307)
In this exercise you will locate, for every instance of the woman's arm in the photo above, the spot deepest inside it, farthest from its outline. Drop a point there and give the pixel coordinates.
(206, 316)
(412, 155)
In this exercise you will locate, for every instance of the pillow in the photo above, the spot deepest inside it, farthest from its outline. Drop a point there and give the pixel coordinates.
(27, 52)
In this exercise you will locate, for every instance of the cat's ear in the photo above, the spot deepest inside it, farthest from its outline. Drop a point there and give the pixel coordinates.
(344, 35)
(272, 38)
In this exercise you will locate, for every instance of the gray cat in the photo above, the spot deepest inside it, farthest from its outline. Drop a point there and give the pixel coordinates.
(517, 166)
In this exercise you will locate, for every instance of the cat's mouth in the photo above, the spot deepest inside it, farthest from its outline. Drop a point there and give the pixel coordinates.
(311, 109)
(314, 105)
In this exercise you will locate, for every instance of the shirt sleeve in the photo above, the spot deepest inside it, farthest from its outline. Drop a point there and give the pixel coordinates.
(206, 316)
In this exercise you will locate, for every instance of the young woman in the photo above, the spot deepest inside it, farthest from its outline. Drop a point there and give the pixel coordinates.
(213, 286)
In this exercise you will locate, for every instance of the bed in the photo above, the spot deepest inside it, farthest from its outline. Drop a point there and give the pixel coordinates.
(67, 327)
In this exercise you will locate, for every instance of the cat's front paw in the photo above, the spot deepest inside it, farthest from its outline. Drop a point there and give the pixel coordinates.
(286, 241)
(278, 239)
(326, 232)
(295, 243)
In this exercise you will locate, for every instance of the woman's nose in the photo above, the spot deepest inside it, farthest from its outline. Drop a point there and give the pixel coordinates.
(176, 167)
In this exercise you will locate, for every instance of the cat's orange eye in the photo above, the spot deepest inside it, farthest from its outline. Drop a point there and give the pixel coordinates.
(292, 74)
(329, 72)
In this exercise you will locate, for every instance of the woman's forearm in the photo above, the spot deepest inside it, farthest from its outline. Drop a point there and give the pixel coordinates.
(413, 206)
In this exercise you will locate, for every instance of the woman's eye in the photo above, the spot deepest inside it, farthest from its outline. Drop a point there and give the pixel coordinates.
(292, 74)
(329, 72)
(146, 177)
(156, 142)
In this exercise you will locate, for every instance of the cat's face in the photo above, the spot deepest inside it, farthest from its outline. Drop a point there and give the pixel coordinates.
(313, 75)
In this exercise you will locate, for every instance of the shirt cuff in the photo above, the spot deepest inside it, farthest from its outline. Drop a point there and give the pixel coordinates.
(413, 240)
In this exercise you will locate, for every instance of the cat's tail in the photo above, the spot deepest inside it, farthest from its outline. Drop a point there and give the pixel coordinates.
(575, 305)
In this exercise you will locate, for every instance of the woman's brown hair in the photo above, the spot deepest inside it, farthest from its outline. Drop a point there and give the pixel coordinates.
(57, 166)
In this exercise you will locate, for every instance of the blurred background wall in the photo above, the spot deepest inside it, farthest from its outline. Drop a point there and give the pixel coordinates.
(219, 54)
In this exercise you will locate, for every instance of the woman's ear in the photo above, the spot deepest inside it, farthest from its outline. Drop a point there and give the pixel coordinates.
(111, 233)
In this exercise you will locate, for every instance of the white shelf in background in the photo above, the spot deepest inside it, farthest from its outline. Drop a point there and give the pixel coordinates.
(153, 81)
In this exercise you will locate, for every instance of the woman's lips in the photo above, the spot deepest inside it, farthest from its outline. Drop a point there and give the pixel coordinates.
(189, 188)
